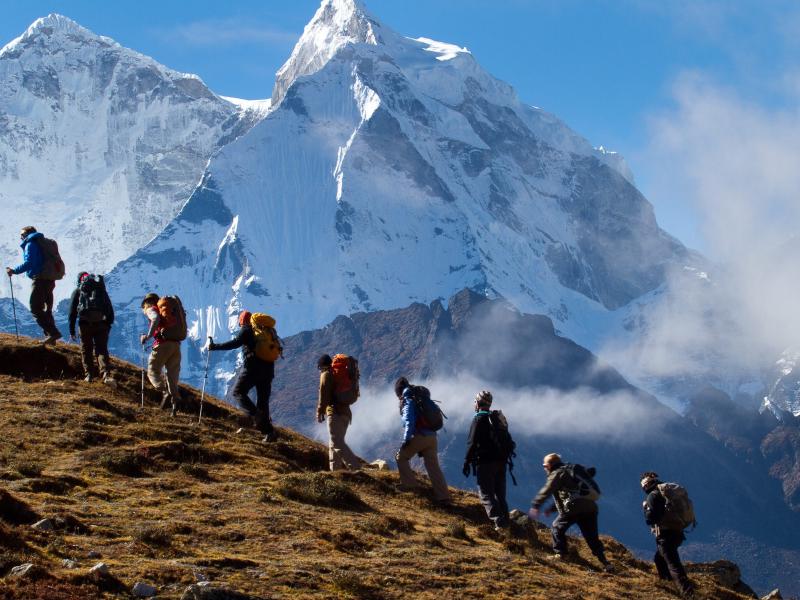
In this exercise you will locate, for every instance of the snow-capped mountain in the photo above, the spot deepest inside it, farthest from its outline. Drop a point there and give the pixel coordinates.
(99, 145)
(783, 398)
(392, 170)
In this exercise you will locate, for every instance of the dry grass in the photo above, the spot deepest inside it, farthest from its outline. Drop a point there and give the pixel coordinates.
(167, 501)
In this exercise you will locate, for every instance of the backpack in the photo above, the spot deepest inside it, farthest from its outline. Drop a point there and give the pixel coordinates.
(173, 319)
(268, 344)
(93, 301)
(679, 512)
(429, 415)
(52, 267)
(587, 488)
(501, 439)
(345, 378)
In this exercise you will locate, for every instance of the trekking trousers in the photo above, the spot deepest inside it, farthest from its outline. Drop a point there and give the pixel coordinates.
(587, 522)
(167, 355)
(427, 447)
(339, 453)
(492, 491)
(668, 561)
(260, 377)
(94, 341)
(42, 305)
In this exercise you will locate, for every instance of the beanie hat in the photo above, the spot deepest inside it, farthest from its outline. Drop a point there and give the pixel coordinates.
(244, 318)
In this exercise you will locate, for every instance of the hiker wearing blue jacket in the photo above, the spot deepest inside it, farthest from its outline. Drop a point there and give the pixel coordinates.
(41, 301)
(419, 440)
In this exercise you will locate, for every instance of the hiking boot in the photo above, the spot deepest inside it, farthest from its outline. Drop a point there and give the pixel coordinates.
(88, 379)
(557, 557)
(271, 436)
(51, 339)
(110, 381)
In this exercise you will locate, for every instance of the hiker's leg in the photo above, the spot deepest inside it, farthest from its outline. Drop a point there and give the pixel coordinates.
(102, 331)
(430, 456)
(559, 533)
(155, 367)
(500, 493)
(404, 456)
(661, 565)
(668, 543)
(41, 303)
(589, 529)
(244, 383)
(263, 392)
(341, 456)
(87, 348)
(173, 366)
(484, 473)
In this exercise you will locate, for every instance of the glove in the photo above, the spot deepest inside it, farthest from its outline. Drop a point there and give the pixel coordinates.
(212, 346)
(466, 469)
(533, 514)
(320, 417)
(9, 271)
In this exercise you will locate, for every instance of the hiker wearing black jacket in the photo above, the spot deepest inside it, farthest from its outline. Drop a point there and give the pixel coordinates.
(92, 309)
(572, 509)
(255, 373)
(488, 461)
(668, 561)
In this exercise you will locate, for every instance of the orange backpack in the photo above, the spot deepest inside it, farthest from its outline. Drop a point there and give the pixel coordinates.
(345, 379)
(173, 319)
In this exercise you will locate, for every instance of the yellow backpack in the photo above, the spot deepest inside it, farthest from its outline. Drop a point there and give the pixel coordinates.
(268, 344)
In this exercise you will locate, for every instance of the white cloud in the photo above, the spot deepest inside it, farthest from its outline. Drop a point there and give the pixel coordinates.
(228, 32)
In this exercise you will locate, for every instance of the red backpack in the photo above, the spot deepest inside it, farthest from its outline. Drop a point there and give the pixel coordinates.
(345, 378)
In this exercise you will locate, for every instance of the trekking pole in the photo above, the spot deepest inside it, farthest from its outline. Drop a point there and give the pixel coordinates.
(205, 380)
(142, 362)
(13, 307)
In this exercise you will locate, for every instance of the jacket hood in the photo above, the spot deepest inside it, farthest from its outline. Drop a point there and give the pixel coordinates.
(30, 237)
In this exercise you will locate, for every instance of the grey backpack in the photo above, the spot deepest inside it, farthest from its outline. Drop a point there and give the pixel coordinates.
(679, 512)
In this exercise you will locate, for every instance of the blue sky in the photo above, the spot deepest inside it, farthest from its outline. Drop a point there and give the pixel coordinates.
(623, 73)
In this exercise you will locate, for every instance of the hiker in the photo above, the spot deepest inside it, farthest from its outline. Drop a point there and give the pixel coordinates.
(42, 263)
(419, 438)
(92, 308)
(575, 497)
(335, 407)
(667, 524)
(489, 451)
(168, 330)
(254, 373)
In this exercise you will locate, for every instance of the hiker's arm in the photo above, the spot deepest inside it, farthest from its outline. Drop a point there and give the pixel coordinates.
(471, 442)
(110, 315)
(73, 311)
(236, 342)
(409, 418)
(547, 490)
(325, 398)
(654, 508)
(31, 256)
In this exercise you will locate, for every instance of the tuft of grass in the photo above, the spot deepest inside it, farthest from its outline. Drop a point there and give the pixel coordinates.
(514, 546)
(123, 462)
(456, 529)
(28, 468)
(385, 525)
(196, 471)
(352, 584)
(319, 489)
(153, 535)
(346, 542)
(432, 541)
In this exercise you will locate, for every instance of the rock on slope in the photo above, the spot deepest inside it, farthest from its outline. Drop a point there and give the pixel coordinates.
(167, 503)
(99, 145)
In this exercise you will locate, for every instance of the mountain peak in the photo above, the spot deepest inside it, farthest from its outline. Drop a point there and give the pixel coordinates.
(336, 23)
(53, 25)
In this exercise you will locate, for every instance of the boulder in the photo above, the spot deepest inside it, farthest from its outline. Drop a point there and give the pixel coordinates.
(99, 569)
(44, 525)
(24, 570)
(143, 590)
(68, 563)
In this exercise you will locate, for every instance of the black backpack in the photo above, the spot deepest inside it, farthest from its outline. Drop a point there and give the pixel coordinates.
(502, 441)
(93, 300)
(429, 415)
(586, 487)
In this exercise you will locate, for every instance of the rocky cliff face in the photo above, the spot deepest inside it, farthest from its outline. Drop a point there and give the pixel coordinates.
(99, 145)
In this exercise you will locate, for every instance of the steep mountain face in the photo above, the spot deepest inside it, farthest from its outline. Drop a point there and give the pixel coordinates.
(557, 396)
(100, 146)
(395, 170)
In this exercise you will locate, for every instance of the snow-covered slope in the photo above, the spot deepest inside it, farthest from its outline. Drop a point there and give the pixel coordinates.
(100, 146)
(392, 170)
